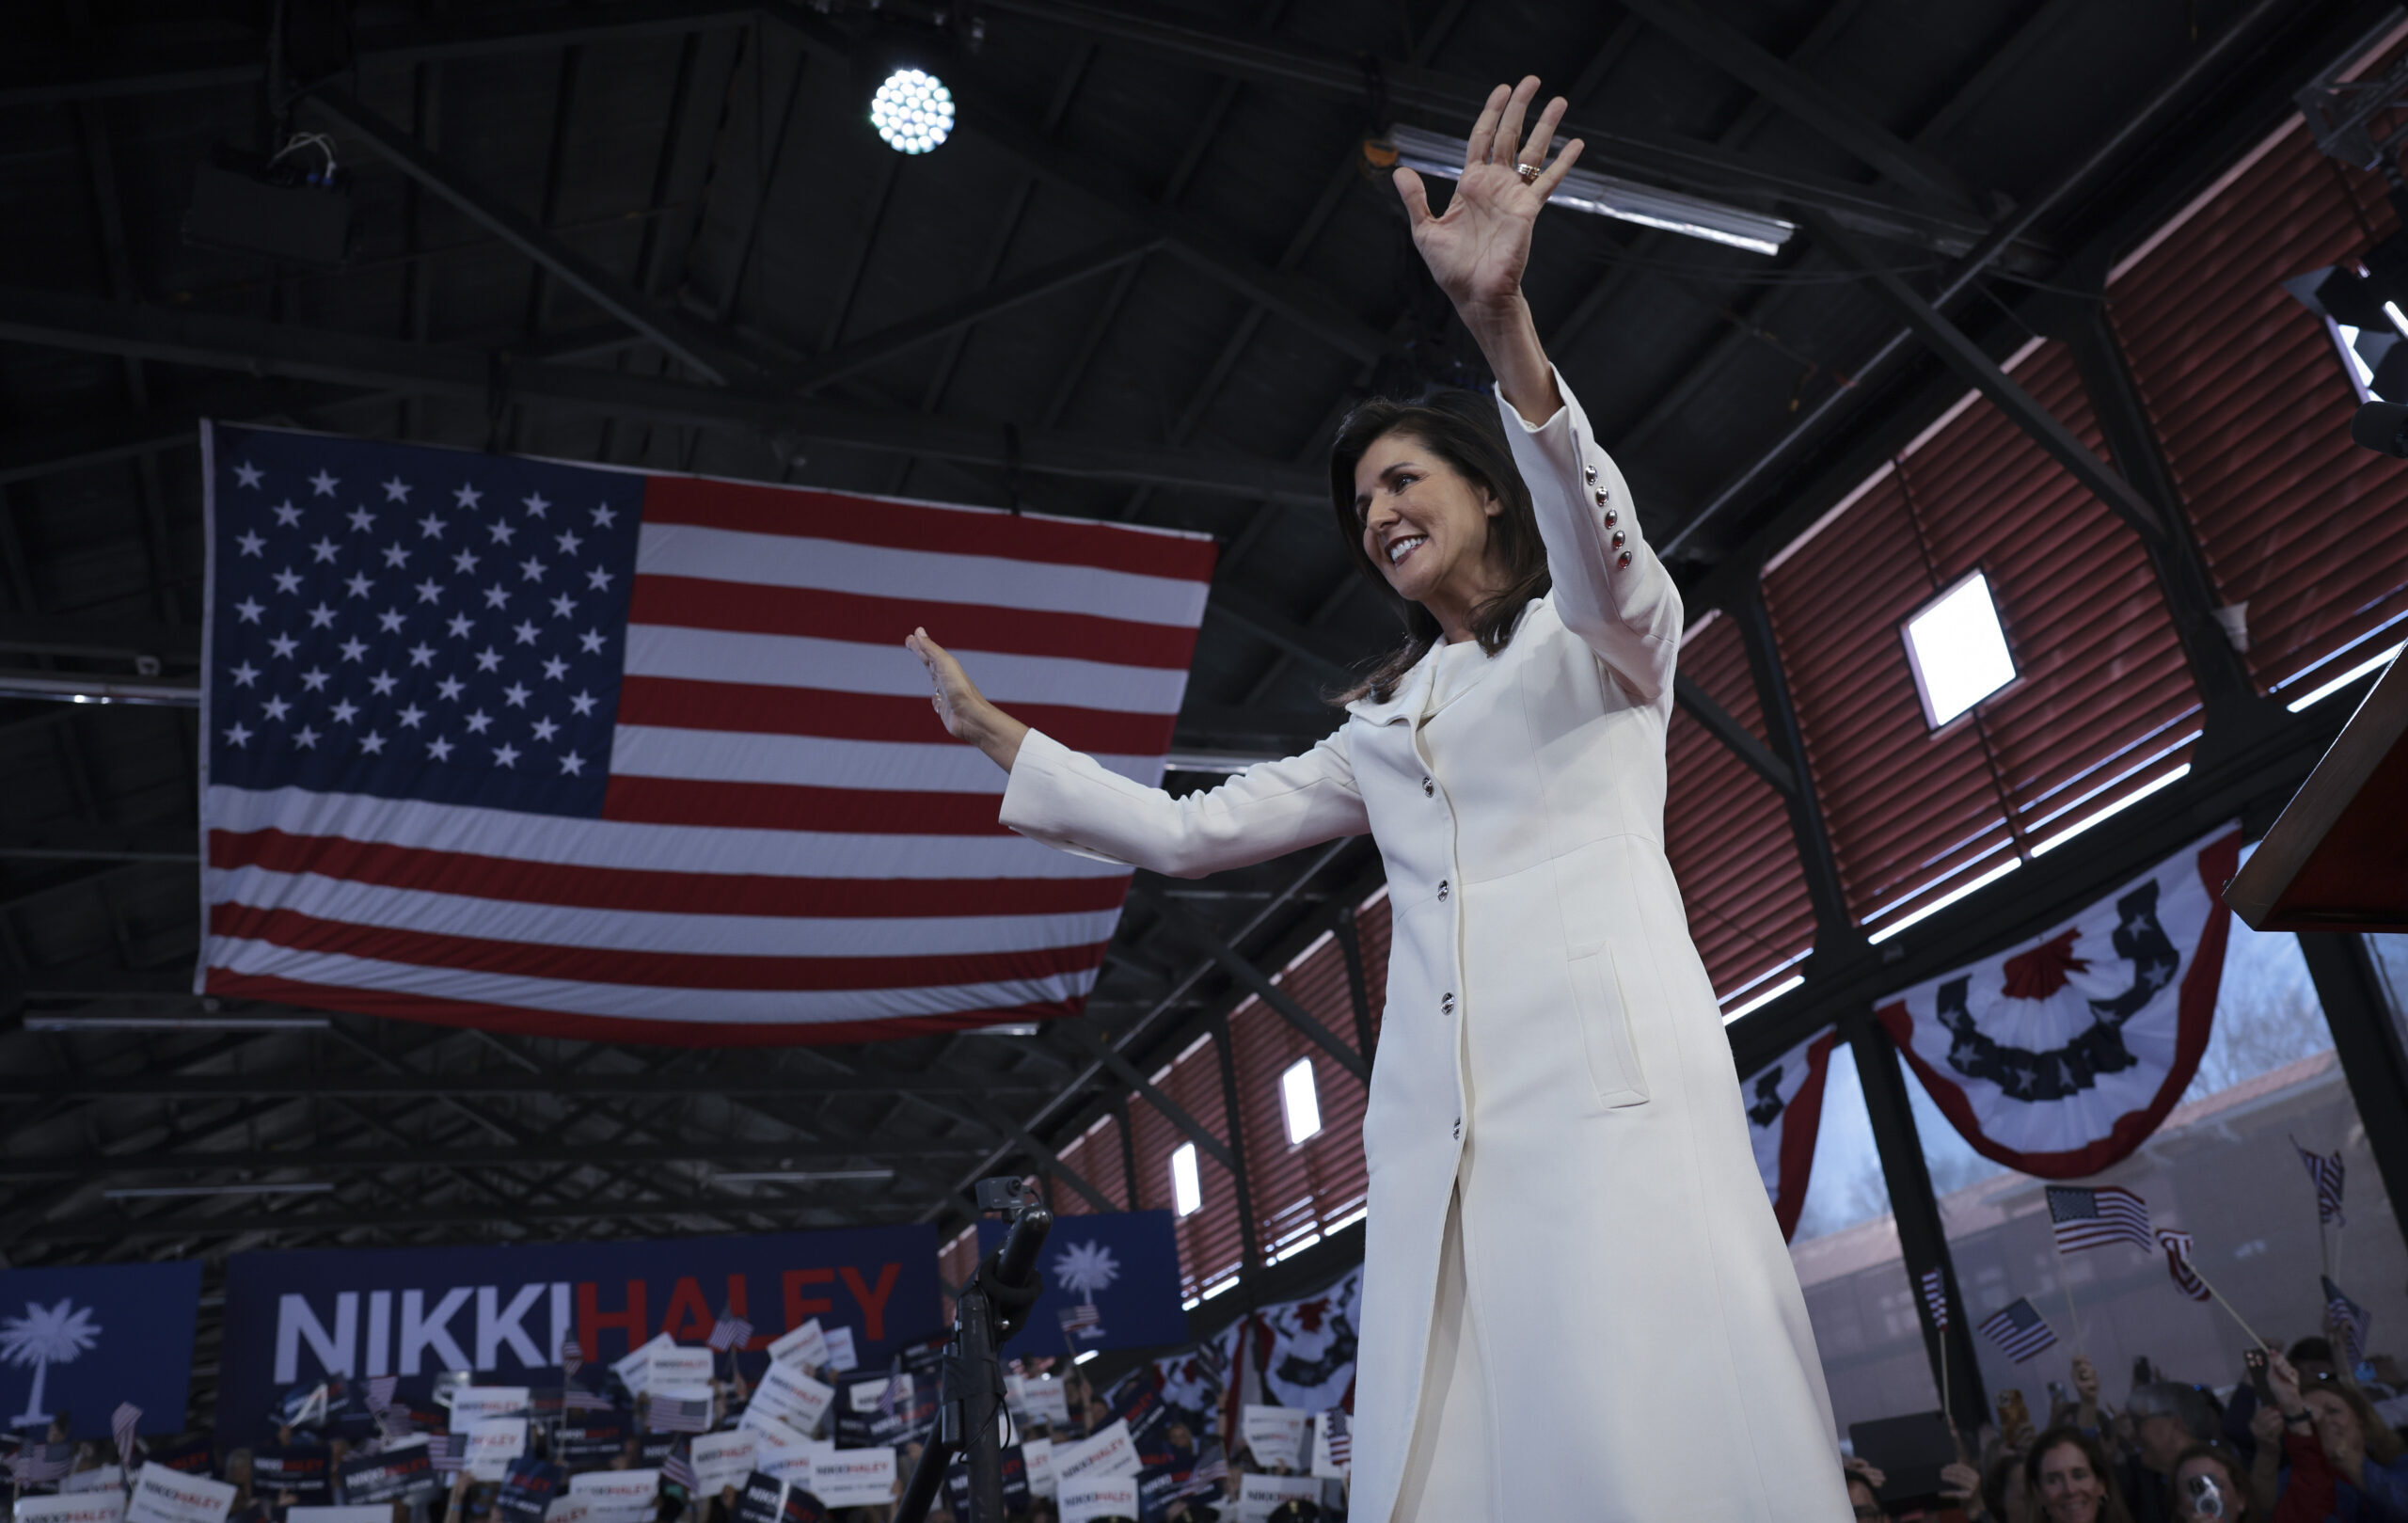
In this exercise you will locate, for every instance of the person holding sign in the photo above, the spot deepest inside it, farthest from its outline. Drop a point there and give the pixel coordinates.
(1555, 1134)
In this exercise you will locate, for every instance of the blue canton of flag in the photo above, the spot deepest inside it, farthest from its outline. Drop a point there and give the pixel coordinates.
(419, 624)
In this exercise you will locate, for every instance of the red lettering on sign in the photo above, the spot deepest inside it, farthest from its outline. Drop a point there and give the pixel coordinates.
(592, 1319)
(686, 1301)
(801, 1308)
(872, 1301)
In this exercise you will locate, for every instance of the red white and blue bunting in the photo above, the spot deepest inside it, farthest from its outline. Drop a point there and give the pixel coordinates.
(2061, 1056)
(1785, 1100)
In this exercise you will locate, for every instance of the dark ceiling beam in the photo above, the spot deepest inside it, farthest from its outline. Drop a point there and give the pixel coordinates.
(1192, 928)
(357, 360)
(713, 354)
(40, 634)
(1724, 46)
(1178, 1115)
(109, 67)
(119, 1227)
(2144, 119)
(754, 1078)
(1260, 619)
(1741, 740)
(1701, 168)
(1980, 372)
(399, 1152)
(953, 316)
(75, 841)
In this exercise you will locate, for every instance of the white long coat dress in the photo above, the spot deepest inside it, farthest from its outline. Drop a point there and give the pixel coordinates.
(1576, 1304)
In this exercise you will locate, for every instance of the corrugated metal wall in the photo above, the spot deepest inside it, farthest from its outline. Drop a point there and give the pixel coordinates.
(1207, 1238)
(1727, 831)
(2247, 394)
(2104, 704)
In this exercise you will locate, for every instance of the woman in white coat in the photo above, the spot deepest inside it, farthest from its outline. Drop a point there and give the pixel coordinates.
(1575, 1301)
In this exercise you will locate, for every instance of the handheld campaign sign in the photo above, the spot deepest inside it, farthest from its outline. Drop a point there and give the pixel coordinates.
(616, 1495)
(1274, 1435)
(1258, 1494)
(473, 1404)
(805, 1347)
(300, 1469)
(493, 1443)
(1110, 1452)
(1098, 1496)
(1038, 1453)
(162, 1496)
(768, 1499)
(339, 1515)
(853, 1477)
(128, 1329)
(1043, 1398)
(529, 1489)
(505, 1313)
(106, 1478)
(635, 1370)
(398, 1472)
(842, 1352)
(675, 1365)
(593, 1442)
(789, 1396)
(722, 1460)
(96, 1507)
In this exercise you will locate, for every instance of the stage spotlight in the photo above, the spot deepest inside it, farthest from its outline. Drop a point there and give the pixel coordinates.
(912, 111)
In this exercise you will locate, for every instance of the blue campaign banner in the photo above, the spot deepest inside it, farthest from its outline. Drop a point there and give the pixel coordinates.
(1111, 1282)
(80, 1341)
(502, 1312)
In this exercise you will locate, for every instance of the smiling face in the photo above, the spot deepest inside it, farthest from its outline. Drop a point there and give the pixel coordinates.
(2070, 1490)
(1426, 527)
(2337, 1427)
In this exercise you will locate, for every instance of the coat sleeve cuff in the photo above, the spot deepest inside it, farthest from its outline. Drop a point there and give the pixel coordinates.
(1048, 783)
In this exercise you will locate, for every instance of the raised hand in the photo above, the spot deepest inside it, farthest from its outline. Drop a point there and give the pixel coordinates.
(1477, 249)
(966, 713)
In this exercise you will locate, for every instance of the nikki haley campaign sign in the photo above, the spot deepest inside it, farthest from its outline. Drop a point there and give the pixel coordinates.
(504, 1312)
(80, 1342)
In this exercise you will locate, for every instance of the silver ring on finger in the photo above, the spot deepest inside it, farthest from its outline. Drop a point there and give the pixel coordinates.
(1529, 173)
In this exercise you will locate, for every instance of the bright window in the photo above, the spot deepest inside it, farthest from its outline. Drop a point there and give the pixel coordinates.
(1300, 1100)
(1958, 650)
(1186, 1187)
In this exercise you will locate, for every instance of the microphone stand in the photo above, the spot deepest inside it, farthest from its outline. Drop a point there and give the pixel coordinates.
(986, 1314)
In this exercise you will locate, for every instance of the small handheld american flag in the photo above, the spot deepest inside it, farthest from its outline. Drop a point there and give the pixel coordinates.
(2177, 1262)
(678, 1470)
(732, 1331)
(1935, 1296)
(1339, 1426)
(572, 1358)
(2090, 1219)
(123, 1424)
(2018, 1330)
(447, 1451)
(2325, 1170)
(678, 1414)
(2351, 1319)
(39, 1464)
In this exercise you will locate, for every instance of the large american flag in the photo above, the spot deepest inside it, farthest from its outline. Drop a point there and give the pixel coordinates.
(2089, 1218)
(588, 751)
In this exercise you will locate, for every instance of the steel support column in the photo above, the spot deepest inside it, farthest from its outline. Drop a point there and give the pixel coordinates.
(1834, 929)
(1922, 1236)
(1243, 970)
(1250, 1226)
(1741, 740)
(2366, 1040)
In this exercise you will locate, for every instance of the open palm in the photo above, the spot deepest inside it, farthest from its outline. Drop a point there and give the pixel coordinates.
(1477, 249)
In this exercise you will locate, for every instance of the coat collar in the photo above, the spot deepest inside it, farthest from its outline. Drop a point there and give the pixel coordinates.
(1411, 695)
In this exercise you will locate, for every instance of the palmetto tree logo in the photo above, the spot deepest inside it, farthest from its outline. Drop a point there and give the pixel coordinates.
(43, 1337)
(1086, 1268)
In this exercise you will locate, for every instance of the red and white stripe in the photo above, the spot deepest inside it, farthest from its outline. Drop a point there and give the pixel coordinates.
(792, 848)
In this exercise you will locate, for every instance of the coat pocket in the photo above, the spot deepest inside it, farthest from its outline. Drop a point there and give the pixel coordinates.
(1605, 1028)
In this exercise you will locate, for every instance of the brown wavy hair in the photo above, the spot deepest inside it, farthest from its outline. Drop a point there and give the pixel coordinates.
(2111, 1510)
(1463, 429)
